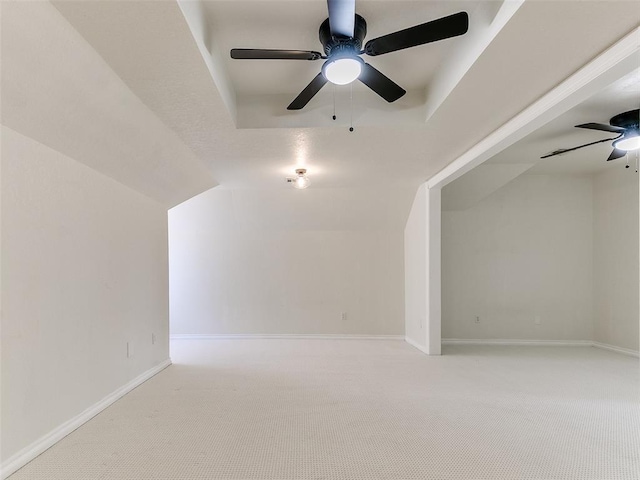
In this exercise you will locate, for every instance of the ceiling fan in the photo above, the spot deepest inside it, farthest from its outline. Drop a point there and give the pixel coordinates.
(626, 125)
(342, 36)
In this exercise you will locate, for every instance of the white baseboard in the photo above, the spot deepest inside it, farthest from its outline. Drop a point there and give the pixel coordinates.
(613, 348)
(262, 336)
(538, 343)
(422, 348)
(533, 343)
(24, 456)
(414, 344)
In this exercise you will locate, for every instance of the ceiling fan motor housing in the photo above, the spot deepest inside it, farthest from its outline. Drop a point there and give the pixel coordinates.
(337, 45)
(628, 120)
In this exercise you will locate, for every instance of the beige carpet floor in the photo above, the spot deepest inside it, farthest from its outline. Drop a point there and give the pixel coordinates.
(356, 409)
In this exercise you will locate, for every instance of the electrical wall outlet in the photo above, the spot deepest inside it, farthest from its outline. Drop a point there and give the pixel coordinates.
(343, 316)
(477, 320)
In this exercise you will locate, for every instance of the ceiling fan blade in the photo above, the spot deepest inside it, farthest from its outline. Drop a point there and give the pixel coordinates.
(342, 16)
(381, 84)
(264, 54)
(445, 27)
(617, 153)
(566, 150)
(602, 127)
(308, 93)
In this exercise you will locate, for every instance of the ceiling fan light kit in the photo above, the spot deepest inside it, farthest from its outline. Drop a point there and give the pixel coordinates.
(342, 36)
(342, 71)
(628, 142)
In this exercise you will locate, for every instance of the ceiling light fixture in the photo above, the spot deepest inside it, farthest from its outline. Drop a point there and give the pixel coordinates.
(630, 141)
(342, 70)
(301, 181)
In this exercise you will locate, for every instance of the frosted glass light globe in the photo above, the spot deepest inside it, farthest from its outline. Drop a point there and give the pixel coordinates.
(342, 70)
(301, 182)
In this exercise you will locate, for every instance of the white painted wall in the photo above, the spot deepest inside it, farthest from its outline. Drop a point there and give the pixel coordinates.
(287, 262)
(522, 253)
(84, 270)
(422, 261)
(615, 231)
(415, 270)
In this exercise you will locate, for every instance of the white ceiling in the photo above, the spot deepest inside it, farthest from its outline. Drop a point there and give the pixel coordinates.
(165, 122)
(256, 92)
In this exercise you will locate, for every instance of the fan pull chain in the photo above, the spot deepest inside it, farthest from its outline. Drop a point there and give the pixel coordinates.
(627, 157)
(637, 155)
(351, 107)
(334, 101)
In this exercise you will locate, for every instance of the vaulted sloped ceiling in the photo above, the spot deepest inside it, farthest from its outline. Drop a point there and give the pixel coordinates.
(57, 90)
(154, 51)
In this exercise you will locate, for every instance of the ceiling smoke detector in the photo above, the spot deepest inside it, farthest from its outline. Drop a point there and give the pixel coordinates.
(301, 180)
